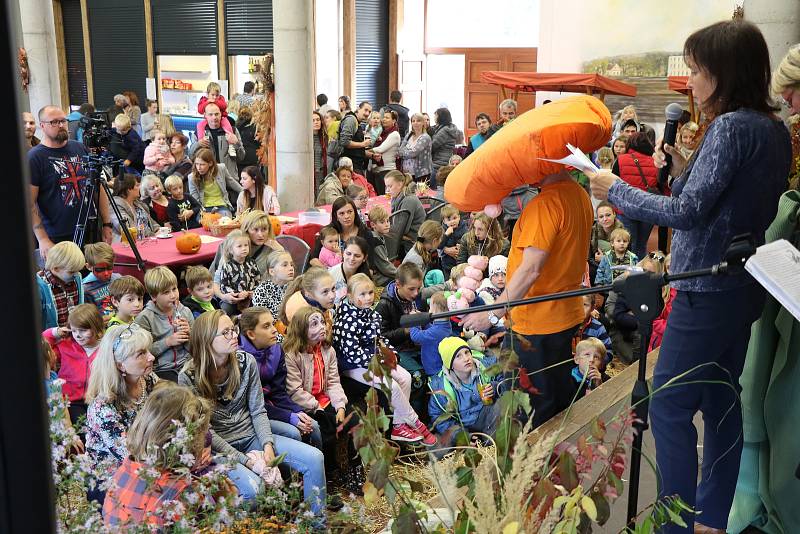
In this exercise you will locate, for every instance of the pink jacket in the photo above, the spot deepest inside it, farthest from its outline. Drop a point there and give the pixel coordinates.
(155, 159)
(300, 378)
(75, 364)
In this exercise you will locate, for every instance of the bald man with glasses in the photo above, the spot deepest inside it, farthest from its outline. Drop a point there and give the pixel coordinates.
(57, 183)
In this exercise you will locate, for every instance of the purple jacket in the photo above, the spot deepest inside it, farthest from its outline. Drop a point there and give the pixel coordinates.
(272, 370)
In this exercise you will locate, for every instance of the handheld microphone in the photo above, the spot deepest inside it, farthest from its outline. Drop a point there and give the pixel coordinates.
(673, 112)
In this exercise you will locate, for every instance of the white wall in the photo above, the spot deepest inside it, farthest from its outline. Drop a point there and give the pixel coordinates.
(445, 87)
(38, 37)
(328, 49)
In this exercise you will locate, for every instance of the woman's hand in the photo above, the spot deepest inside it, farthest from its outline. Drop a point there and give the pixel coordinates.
(269, 454)
(678, 161)
(340, 416)
(600, 182)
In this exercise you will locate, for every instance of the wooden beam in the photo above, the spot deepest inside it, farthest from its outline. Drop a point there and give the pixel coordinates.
(571, 423)
(395, 29)
(148, 39)
(61, 55)
(222, 55)
(87, 52)
(349, 50)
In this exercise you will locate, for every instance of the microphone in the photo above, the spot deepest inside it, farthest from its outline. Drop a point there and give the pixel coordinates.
(673, 112)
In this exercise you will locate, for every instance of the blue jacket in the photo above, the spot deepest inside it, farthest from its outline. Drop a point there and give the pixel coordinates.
(468, 399)
(428, 339)
(604, 273)
(48, 303)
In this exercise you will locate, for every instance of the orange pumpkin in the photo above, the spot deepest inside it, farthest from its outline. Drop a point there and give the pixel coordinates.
(511, 157)
(188, 243)
(207, 219)
(276, 225)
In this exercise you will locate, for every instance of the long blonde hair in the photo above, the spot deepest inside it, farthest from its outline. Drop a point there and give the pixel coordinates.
(201, 337)
(155, 425)
(106, 381)
(493, 244)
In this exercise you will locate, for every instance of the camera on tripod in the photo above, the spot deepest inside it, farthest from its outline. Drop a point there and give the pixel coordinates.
(96, 131)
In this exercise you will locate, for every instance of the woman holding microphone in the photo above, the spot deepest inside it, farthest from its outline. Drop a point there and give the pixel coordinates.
(730, 186)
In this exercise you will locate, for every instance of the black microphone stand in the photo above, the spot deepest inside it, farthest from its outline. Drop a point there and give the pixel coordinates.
(642, 290)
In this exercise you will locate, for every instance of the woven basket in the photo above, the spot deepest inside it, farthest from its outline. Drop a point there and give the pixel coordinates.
(221, 230)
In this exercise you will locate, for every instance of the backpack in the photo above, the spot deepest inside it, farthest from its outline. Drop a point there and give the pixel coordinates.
(335, 148)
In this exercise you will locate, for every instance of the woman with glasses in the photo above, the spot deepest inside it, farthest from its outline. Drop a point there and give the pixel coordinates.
(229, 377)
(122, 377)
(729, 186)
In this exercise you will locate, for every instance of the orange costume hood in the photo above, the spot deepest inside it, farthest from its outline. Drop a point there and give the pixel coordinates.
(510, 158)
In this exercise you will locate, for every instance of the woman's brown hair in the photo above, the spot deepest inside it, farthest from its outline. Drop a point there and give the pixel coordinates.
(735, 56)
(207, 156)
(204, 330)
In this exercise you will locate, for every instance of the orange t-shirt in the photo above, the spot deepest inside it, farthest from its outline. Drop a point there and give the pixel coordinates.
(558, 220)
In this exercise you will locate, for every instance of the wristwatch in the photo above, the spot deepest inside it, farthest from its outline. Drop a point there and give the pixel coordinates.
(493, 319)
(108, 225)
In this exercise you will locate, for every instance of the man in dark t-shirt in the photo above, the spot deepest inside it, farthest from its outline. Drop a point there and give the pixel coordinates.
(57, 183)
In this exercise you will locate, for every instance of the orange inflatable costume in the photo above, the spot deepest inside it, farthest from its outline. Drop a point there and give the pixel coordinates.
(510, 158)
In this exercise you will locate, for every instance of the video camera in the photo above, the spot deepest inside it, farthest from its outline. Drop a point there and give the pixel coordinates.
(96, 130)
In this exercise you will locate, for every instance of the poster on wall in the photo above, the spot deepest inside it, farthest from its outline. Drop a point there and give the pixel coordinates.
(641, 43)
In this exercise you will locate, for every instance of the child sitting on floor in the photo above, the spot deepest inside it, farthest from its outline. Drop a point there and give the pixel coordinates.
(330, 254)
(312, 381)
(60, 283)
(99, 260)
(200, 284)
(239, 275)
(168, 321)
(356, 335)
(429, 338)
(75, 348)
(618, 255)
(493, 286)
(127, 297)
(592, 327)
(590, 369)
(464, 382)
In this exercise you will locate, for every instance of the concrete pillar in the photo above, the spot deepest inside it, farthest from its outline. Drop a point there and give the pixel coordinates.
(779, 21)
(38, 38)
(294, 46)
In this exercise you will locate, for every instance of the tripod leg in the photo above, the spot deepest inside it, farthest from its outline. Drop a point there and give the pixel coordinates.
(87, 203)
(641, 404)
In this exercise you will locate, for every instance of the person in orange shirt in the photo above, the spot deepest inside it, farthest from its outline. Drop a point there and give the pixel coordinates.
(547, 255)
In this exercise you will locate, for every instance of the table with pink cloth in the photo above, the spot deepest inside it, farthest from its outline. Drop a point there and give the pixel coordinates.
(157, 252)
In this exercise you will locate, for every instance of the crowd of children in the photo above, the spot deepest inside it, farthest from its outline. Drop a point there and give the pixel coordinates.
(294, 349)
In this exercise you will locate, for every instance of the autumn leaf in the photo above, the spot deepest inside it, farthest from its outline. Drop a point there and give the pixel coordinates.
(371, 494)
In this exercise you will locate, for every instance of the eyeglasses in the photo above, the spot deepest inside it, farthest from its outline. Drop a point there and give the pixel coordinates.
(125, 334)
(659, 257)
(229, 333)
(56, 122)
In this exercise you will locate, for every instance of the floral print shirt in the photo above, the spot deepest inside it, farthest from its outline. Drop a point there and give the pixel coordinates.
(106, 427)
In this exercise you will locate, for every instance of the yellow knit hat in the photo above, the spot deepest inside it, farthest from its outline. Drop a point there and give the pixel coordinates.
(448, 347)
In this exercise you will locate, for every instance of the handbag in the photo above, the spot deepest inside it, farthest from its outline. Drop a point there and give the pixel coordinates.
(651, 190)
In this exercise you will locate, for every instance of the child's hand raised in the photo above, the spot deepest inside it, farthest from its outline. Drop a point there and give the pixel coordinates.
(178, 338)
(63, 332)
(449, 231)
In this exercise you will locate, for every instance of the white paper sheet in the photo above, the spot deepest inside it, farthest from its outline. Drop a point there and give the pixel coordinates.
(209, 239)
(776, 266)
(576, 159)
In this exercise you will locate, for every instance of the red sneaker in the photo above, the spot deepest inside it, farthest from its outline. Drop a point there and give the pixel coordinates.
(405, 433)
(427, 438)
